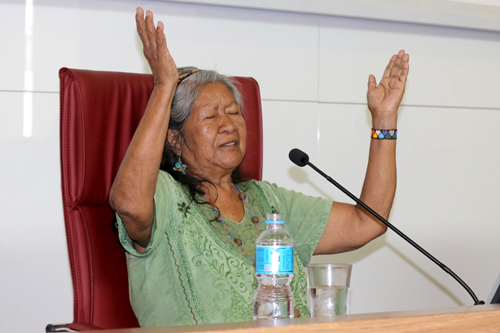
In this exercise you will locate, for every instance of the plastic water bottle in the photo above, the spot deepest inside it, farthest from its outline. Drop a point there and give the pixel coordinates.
(274, 271)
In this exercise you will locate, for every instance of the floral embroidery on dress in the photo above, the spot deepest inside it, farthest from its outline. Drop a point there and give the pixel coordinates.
(183, 208)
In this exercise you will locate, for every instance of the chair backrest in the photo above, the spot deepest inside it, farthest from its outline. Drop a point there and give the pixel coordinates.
(99, 114)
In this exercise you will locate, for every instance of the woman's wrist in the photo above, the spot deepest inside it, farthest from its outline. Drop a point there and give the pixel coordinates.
(166, 86)
(385, 122)
(165, 91)
(384, 127)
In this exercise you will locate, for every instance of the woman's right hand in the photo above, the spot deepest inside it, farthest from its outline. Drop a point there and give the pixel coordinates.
(155, 48)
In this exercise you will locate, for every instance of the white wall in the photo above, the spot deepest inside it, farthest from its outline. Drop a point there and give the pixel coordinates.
(313, 71)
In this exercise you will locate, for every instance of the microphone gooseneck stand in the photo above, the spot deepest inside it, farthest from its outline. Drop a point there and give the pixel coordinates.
(301, 159)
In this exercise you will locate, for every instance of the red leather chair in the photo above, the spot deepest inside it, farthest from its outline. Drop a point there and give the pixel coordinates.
(99, 114)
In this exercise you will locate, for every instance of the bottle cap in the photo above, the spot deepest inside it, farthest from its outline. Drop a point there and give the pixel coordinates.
(274, 218)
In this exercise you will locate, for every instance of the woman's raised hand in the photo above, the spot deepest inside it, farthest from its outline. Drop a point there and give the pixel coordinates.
(155, 48)
(384, 98)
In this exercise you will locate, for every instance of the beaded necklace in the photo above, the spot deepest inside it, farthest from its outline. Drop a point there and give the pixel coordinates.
(255, 220)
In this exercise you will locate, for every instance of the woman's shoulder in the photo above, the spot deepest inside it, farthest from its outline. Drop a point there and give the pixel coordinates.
(166, 185)
(264, 185)
(263, 189)
(165, 176)
(253, 184)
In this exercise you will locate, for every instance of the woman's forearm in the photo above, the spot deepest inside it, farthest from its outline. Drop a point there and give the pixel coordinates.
(379, 186)
(134, 187)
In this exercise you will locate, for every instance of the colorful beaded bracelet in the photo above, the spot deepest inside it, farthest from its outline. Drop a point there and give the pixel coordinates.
(391, 134)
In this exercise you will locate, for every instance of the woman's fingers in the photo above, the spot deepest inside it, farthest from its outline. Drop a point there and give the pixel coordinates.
(396, 67)
(396, 71)
(153, 38)
(151, 33)
(400, 71)
(141, 26)
(387, 95)
(372, 83)
(388, 69)
(405, 68)
(161, 39)
(155, 48)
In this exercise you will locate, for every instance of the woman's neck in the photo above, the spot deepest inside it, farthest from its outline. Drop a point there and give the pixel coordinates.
(223, 196)
(217, 187)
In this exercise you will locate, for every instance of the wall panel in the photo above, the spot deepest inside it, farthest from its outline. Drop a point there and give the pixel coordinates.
(289, 125)
(12, 49)
(35, 283)
(353, 49)
(268, 46)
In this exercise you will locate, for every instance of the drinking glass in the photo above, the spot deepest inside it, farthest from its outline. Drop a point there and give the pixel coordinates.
(329, 288)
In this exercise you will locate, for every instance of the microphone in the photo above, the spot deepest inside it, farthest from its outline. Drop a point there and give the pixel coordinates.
(298, 157)
(301, 159)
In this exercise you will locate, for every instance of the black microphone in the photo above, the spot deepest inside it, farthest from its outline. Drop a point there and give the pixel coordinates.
(301, 159)
(298, 157)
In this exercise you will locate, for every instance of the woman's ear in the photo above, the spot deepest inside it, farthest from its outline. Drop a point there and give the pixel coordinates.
(173, 141)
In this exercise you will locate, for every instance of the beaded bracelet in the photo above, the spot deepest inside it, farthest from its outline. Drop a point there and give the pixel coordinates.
(391, 134)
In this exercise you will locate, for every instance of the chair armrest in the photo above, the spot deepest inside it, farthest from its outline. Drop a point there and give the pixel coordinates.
(73, 327)
(57, 328)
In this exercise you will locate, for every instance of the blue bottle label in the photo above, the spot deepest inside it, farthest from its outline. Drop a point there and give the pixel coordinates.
(274, 260)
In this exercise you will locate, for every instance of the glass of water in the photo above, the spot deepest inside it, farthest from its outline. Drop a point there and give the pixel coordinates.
(329, 288)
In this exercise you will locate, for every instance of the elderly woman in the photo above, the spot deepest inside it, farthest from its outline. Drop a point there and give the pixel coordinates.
(190, 231)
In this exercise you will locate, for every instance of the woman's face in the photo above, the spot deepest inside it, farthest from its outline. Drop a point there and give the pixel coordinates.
(216, 132)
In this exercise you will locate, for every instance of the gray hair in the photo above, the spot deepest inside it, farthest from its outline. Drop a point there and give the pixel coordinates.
(188, 90)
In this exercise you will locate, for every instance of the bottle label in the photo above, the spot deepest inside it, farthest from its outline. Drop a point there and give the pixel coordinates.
(274, 260)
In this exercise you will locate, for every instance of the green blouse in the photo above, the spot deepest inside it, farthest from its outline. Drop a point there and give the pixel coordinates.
(193, 273)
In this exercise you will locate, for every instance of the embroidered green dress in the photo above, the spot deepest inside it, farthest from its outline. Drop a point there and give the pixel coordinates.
(193, 273)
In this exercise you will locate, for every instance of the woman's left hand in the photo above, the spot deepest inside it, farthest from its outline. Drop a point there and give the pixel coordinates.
(384, 98)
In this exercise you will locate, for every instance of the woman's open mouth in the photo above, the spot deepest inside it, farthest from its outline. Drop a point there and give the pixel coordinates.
(229, 144)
